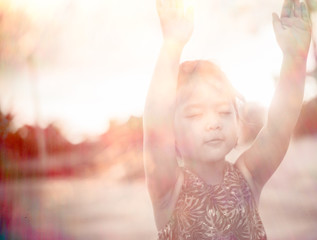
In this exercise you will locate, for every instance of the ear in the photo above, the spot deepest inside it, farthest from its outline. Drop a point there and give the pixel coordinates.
(240, 112)
(180, 161)
(179, 158)
(240, 129)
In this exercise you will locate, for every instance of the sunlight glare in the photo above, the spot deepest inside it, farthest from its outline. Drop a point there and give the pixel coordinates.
(253, 86)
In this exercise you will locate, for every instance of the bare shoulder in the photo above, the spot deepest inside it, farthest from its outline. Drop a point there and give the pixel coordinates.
(164, 209)
(255, 188)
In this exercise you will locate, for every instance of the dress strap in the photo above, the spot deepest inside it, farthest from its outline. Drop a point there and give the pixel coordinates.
(197, 180)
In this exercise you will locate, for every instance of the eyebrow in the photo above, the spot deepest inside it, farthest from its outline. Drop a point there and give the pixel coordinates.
(193, 105)
(200, 105)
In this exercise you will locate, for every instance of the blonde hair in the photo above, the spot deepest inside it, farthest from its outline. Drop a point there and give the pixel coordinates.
(189, 71)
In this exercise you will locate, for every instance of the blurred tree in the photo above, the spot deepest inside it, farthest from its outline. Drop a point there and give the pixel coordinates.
(307, 122)
(5, 127)
(21, 145)
(5, 124)
(55, 141)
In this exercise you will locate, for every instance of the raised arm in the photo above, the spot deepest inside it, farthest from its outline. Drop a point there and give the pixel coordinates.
(159, 143)
(293, 34)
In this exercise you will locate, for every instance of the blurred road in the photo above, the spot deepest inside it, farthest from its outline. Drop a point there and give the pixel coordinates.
(95, 208)
(81, 209)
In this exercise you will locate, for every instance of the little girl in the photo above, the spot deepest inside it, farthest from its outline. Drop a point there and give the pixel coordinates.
(191, 115)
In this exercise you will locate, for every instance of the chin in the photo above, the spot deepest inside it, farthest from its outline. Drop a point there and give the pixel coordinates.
(213, 158)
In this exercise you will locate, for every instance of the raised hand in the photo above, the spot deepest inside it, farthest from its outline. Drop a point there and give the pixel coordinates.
(177, 23)
(293, 28)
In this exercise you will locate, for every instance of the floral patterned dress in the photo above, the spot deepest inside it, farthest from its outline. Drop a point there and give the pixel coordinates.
(223, 211)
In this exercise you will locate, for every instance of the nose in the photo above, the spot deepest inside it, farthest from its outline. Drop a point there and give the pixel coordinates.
(213, 123)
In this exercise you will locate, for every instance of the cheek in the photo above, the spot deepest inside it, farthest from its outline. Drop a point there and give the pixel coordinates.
(186, 134)
(234, 136)
(231, 127)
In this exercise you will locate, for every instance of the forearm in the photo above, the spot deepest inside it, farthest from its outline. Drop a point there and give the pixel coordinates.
(293, 34)
(159, 150)
(288, 97)
(162, 90)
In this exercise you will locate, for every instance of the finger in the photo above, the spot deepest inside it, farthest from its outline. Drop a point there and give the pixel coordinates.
(287, 8)
(179, 3)
(163, 3)
(159, 5)
(277, 24)
(297, 9)
(190, 13)
(173, 3)
(305, 14)
(179, 7)
(288, 22)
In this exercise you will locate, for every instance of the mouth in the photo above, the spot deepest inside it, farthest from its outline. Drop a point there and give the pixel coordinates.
(214, 141)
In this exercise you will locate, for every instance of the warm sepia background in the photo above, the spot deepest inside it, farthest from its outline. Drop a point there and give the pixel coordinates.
(73, 81)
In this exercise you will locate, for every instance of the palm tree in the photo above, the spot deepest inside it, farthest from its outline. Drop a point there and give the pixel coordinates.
(22, 44)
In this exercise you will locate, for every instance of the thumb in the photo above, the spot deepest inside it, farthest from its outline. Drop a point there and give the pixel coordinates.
(277, 25)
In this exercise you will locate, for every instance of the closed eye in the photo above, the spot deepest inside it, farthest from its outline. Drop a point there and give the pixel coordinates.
(225, 112)
(193, 115)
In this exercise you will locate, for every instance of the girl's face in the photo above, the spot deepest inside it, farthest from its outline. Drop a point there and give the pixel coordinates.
(205, 122)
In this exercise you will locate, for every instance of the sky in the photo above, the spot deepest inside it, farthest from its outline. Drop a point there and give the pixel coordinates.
(94, 59)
